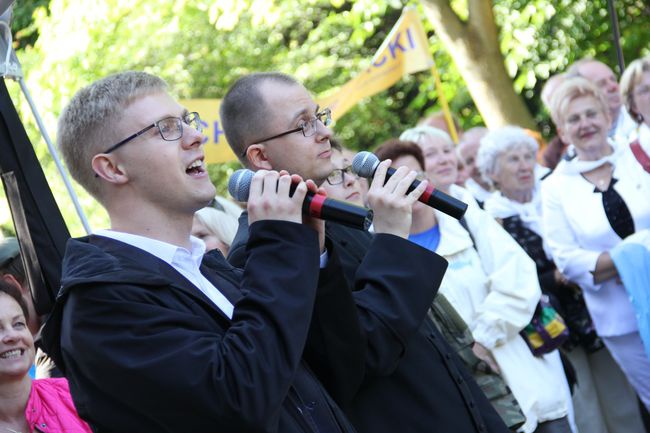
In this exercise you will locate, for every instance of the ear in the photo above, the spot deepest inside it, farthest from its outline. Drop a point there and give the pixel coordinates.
(9, 278)
(108, 169)
(257, 157)
(493, 177)
(562, 135)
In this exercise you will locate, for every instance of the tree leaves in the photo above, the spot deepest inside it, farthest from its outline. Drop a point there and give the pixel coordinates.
(200, 47)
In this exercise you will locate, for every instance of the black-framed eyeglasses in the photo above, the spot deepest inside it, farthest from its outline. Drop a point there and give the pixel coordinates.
(308, 127)
(170, 128)
(337, 176)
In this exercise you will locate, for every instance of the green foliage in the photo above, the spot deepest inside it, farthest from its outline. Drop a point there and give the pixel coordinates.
(200, 47)
(23, 28)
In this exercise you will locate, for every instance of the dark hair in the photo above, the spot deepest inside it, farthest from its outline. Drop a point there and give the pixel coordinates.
(13, 291)
(244, 111)
(395, 148)
(14, 267)
(335, 142)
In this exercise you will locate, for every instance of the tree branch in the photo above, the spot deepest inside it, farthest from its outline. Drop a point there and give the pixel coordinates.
(442, 16)
(481, 20)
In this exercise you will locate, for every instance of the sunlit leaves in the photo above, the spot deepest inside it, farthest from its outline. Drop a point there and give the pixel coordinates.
(201, 46)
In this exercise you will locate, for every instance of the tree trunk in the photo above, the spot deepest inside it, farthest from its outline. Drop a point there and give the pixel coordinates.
(474, 46)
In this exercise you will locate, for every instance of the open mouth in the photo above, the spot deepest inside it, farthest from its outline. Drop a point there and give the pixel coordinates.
(12, 354)
(196, 168)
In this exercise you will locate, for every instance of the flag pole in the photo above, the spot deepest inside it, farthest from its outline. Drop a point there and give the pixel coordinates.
(616, 35)
(444, 104)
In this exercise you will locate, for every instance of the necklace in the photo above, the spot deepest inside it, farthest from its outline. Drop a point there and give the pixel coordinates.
(603, 178)
(12, 430)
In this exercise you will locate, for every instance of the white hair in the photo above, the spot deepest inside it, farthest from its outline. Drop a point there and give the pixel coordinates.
(221, 220)
(416, 134)
(496, 143)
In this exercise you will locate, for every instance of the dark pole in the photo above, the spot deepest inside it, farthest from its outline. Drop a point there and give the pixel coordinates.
(617, 35)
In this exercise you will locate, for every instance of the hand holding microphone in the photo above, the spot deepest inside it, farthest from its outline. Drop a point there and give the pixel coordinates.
(365, 164)
(392, 200)
(314, 205)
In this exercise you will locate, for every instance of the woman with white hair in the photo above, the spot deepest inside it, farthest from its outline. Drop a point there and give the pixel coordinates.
(589, 205)
(603, 400)
(490, 282)
(635, 87)
(216, 224)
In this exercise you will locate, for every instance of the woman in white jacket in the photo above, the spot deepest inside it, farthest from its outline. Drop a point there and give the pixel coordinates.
(603, 399)
(589, 204)
(635, 87)
(492, 284)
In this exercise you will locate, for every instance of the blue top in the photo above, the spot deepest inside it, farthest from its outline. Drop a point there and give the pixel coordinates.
(632, 260)
(428, 239)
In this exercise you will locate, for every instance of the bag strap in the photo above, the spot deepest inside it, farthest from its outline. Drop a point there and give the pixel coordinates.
(463, 222)
(640, 155)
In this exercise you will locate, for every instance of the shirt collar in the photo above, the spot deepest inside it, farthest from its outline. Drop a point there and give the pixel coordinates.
(163, 250)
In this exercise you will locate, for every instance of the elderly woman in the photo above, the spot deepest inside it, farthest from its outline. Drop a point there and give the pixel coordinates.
(490, 282)
(589, 204)
(26, 405)
(635, 87)
(603, 399)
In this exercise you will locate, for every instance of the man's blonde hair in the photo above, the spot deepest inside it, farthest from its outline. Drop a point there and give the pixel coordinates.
(89, 123)
(571, 89)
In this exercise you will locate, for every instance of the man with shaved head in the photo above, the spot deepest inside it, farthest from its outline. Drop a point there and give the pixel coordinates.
(604, 78)
(467, 150)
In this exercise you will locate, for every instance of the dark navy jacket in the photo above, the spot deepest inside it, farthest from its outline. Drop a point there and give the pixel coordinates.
(146, 351)
(413, 380)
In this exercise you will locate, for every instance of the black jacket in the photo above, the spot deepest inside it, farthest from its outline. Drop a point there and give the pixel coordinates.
(146, 351)
(413, 381)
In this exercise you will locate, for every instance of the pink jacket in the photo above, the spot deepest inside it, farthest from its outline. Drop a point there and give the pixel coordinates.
(50, 408)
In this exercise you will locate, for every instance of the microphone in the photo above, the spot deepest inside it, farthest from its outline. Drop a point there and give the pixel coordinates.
(364, 164)
(315, 205)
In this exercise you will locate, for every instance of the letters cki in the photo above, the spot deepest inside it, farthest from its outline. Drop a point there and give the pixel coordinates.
(396, 45)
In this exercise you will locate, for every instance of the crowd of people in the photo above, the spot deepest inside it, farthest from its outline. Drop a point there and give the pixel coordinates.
(192, 314)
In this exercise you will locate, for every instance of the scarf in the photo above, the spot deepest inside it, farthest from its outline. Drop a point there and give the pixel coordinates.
(577, 166)
(530, 213)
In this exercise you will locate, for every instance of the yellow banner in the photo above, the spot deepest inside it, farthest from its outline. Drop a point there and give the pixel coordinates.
(405, 51)
(216, 148)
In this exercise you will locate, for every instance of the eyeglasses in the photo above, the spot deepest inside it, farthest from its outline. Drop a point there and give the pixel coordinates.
(308, 127)
(337, 176)
(170, 128)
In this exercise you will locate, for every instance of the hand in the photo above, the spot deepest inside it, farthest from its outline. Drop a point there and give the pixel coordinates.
(269, 197)
(390, 203)
(559, 277)
(483, 354)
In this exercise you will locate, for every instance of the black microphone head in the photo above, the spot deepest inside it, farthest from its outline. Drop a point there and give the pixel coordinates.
(364, 164)
(239, 184)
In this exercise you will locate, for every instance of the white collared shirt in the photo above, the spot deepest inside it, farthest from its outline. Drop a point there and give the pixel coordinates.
(184, 261)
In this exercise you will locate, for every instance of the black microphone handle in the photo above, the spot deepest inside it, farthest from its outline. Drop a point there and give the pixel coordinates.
(315, 205)
(436, 198)
(337, 211)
